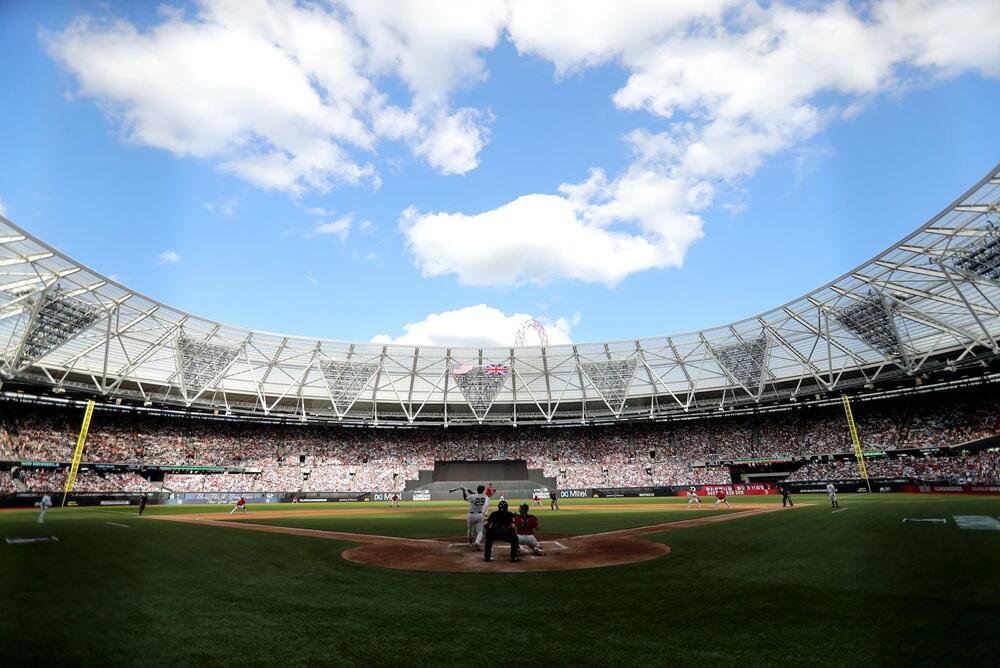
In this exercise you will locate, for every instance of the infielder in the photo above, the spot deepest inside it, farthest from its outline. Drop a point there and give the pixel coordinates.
(394, 504)
(535, 501)
(43, 507)
(831, 492)
(693, 497)
(478, 503)
(720, 497)
(241, 504)
(526, 524)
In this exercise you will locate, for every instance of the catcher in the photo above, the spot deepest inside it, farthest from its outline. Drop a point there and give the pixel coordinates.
(500, 526)
(526, 525)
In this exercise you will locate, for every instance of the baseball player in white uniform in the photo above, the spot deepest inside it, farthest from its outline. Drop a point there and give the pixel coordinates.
(43, 507)
(831, 492)
(693, 497)
(478, 503)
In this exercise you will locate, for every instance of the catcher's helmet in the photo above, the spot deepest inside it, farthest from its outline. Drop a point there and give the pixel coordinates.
(502, 505)
(523, 509)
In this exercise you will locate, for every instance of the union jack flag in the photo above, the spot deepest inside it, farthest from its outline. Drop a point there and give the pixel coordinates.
(496, 370)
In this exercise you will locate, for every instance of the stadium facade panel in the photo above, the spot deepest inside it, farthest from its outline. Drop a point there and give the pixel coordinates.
(928, 304)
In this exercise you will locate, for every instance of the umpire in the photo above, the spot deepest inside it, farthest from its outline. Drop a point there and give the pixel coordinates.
(500, 526)
(786, 497)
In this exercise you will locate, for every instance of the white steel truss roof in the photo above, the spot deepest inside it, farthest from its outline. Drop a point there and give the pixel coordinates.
(931, 301)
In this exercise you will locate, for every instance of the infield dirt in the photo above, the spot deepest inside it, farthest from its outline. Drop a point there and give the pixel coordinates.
(611, 548)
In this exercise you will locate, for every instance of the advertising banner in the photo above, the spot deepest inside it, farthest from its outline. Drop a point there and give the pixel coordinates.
(930, 488)
(226, 498)
(749, 489)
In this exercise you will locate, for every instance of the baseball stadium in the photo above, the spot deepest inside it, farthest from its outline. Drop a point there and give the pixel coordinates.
(816, 483)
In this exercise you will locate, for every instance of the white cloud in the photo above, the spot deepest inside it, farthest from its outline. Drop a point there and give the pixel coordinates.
(168, 257)
(730, 83)
(340, 227)
(479, 325)
(311, 278)
(226, 207)
(284, 94)
(432, 45)
(573, 34)
(539, 238)
(454, 141)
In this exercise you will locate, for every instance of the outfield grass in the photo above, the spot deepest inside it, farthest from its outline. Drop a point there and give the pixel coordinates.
(857, 587)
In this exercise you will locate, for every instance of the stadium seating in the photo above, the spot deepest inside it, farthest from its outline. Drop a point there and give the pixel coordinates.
(296, 457)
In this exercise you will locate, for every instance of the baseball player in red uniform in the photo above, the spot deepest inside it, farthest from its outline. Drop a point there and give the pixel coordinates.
(394, 503)
(720, 497)
(526, 524)
(536, 501)
(489, 490)
(241, 504)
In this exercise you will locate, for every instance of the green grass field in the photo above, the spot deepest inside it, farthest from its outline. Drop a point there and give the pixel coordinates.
(808, 586)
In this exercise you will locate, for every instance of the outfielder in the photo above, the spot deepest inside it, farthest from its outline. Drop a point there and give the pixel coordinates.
(394, 504)
(526, 524)
(478, 503)
(44, 506)
(831, 492)
(693, 497)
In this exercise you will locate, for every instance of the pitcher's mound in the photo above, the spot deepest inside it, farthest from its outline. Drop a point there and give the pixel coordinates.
(560, 555)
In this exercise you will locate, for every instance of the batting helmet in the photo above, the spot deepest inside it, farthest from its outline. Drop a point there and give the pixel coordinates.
(523, 509)
(502, 505)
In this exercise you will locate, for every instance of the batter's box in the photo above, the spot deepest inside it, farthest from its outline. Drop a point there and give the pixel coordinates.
(547, 545)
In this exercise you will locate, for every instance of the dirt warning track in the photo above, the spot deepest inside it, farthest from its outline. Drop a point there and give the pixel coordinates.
(611, 548)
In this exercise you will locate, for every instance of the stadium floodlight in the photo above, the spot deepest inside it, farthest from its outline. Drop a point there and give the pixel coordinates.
(745, 361)
(346, 380)
(479, 385)
(872, 321)
(58, 318)
(200, 363)
(980, 257)
(612, 380)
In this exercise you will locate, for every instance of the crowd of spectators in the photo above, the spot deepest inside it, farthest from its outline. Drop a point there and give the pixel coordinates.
(54, 480)
(310, 457)
(7, 485)
(968, 468)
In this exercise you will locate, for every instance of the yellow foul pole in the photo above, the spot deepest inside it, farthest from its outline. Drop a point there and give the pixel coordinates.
(81, 441)
(858, 452)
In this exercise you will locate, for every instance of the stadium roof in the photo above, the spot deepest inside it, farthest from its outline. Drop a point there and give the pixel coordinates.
(929, 302)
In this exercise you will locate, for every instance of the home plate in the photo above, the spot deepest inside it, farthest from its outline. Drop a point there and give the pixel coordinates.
(21, 541)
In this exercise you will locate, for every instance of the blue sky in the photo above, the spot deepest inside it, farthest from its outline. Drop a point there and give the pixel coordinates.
(439, 184)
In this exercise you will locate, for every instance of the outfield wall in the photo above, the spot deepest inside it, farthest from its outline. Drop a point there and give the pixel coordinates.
(111, 499)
